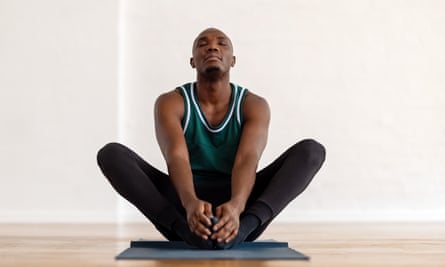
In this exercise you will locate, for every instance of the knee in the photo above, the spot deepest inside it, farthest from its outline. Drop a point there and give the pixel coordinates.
(312, 151)
(107, 153)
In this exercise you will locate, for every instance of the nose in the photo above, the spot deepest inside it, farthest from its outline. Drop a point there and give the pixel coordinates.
(212, 47)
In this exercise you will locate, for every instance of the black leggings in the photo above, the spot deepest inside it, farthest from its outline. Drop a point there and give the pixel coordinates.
(152, 192)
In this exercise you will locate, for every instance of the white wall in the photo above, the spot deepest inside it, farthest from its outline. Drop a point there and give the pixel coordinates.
(365, 78)
(57, 107)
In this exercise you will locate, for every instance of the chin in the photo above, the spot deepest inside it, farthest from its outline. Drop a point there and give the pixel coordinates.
(212, 69)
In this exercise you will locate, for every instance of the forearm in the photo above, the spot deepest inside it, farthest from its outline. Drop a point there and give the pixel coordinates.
(198, 211)
(243, 180)
(182, 179)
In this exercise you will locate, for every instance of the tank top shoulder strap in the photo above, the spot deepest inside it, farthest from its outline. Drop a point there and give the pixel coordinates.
(185, 92)
(241, 94)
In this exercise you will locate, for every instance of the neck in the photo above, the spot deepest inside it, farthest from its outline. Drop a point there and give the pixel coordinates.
(213, 91)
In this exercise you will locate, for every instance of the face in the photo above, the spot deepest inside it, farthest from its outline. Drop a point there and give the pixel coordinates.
(212, 51)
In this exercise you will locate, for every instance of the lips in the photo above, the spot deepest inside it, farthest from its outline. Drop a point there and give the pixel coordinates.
(212, 57)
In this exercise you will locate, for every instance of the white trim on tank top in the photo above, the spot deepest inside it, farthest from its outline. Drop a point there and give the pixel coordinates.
(201, 117)
(187, 116)
(238, 104)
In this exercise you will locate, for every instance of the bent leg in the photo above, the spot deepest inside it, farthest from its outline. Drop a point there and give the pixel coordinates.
(147, 188)
(282, 181)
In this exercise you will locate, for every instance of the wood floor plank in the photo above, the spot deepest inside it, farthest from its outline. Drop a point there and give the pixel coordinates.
(328, 244)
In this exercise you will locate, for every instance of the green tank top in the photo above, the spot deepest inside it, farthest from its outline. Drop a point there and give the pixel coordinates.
(212, 149)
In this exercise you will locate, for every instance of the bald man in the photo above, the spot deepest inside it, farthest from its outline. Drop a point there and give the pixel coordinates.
(212, 133)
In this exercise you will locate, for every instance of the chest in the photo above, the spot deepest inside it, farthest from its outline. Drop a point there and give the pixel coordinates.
(215, 114)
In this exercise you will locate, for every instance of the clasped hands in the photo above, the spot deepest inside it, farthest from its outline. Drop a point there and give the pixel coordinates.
(225, 230)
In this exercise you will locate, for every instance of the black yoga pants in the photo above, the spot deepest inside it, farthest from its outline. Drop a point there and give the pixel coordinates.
(152, 192)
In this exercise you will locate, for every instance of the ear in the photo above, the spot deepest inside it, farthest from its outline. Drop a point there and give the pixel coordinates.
(192, 62)
(233, 61)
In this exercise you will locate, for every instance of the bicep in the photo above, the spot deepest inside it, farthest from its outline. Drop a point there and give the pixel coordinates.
(255, 128)
(169, 110)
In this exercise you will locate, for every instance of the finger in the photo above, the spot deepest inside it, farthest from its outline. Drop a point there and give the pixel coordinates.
(231, 236)
(218, 212)
(208, 210)
(224, 232)
(202, 231)
(218, 232)
(220, 224)
(205, 220)
(195, 223)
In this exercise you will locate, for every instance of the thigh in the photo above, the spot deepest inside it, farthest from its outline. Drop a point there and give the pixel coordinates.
(161, 181)
(264, 176)
(120, 162)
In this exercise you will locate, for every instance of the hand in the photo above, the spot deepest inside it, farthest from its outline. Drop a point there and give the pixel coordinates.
(198, 214)
(227, 227)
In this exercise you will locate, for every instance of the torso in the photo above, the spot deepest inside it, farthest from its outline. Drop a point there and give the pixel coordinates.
(212, 135)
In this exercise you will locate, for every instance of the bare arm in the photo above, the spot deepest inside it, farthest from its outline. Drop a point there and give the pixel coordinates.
(169, 110)
(252, 143)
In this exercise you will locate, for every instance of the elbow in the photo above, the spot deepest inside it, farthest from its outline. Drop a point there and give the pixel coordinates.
(247, 160)
(174, 156)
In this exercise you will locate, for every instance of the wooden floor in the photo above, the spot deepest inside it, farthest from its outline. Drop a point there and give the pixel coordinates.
(328, 244)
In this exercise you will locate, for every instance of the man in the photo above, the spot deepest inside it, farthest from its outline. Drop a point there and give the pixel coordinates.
(212, 134)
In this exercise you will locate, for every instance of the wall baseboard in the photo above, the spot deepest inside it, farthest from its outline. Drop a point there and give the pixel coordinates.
(288, 216)
(362, 216)
(48, 216)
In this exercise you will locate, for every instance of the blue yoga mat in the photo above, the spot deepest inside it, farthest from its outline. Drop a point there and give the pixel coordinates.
(163, 250)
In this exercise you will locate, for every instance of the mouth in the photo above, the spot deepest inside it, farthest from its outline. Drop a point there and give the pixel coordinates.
(212, 58)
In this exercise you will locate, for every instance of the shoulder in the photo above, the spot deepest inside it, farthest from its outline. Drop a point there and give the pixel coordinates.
(171, 102)
(255, 105)
(170, 96)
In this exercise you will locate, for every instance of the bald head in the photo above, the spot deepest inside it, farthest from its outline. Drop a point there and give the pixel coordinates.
(204, 34)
